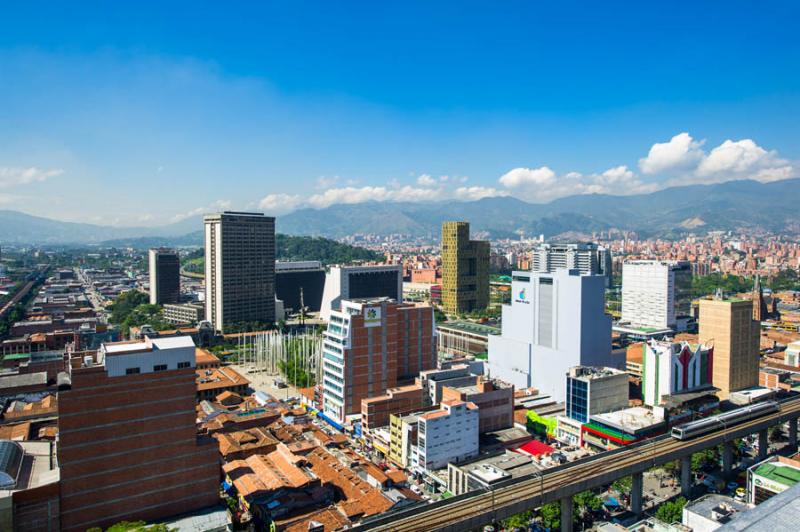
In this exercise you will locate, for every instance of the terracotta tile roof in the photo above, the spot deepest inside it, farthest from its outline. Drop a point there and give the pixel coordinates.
(330, 519)
(227, 394)
(245, 440)
(204, 356)
(261, 473)
(361, 497)
(219, 378)
(396, 476)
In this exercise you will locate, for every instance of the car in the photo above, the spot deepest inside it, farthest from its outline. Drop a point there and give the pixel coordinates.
(730, 486)
(740, 494)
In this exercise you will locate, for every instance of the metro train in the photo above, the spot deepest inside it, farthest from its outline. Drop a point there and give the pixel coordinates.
(693, 429)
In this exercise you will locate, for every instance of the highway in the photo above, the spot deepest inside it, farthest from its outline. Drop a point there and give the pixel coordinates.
(475, 509)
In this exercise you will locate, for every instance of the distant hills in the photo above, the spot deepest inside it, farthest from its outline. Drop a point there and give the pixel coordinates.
(666, 213)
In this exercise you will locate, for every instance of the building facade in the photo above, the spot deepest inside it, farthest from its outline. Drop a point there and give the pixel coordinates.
(369, 345)
(128, 444)
(586, 257)
(494, 400)
(655, 294)
(673, 368)
(300, 284)
(593, 391)
(360, 282)
(240, 268)
(728, 325)
(185, 314)
(465, 270)
(555, 321)
(449, 434)
(165, 276)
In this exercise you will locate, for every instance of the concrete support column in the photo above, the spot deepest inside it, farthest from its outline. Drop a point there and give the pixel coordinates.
(793, 433)
(637, 489)
(566, 514)
(686, 475)
(727, 460)
(763, 445)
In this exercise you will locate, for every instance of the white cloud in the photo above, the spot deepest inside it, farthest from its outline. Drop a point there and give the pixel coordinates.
(743, 159)
(520, 177)
(426, 181)
(10, 176)
(215, 206)
(681, 152)
(276, 204)
(476, 193)
(352, 195)
(324, 182)
(546, 186)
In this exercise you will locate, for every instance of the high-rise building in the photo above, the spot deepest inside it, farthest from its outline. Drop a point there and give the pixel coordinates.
(240, 268)
(655, 294)
(360, 282)
(128, 444)
(555, 321)
(673, 368)
(728, 325)
(300, 283)
(370, 344)
(586, 257)
(465, 269)
(165, 276)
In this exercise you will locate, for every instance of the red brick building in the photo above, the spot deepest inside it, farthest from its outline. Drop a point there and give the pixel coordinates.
(370, 346)
(129, 447)
(375, 411)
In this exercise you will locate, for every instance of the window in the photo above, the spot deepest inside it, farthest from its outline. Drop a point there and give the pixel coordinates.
(160, 367)
(131, 371)
(182, 365)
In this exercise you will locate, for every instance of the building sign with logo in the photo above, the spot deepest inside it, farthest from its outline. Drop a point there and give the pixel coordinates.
(372, 317)
(521, 296)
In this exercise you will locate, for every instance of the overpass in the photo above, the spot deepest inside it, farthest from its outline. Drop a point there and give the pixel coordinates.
(472, 510)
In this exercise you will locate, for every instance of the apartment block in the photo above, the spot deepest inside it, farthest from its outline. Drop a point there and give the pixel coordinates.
(369, 346)
(186, 314)
(586, 257)
(465, 269)
(239, 268)
(728, 325)
(128, 445)
(447, 435)
(165, 276)
(655, 294)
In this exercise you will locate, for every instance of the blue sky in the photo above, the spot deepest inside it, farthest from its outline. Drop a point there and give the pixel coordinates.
(145, 114)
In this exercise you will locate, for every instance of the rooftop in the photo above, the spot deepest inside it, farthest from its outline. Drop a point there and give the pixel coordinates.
(719, 508)
(631, 419)
(469, 327)
(218, 378)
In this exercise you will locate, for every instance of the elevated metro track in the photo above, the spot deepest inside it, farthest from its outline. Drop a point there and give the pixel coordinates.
(472, 510)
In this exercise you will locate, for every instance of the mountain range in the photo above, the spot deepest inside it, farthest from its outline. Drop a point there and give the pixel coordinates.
(666, 213)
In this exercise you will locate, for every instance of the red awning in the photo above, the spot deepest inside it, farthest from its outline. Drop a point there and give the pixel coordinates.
(535, 448)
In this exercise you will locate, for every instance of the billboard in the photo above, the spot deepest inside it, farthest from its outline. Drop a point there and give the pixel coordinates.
(372, 317)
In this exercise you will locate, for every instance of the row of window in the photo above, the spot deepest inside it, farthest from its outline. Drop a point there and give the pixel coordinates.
(157, 367)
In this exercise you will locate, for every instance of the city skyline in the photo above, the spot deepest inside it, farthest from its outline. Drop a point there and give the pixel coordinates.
(291, 109)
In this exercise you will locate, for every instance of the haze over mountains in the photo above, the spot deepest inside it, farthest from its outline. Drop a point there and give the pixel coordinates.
(669, 212)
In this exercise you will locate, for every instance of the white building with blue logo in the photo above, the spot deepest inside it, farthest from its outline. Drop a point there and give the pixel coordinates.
(555, 321)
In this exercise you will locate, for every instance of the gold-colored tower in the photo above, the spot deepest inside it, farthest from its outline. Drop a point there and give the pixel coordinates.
(465, 270)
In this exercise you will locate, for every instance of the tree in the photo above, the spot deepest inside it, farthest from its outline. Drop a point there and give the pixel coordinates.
(622, 485)
(138, 526)
(125, 303)
(671, 511)
(518, 521)
(551, 515)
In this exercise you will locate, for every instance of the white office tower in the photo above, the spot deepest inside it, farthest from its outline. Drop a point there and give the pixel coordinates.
(586, 257)
(655, 294)
(555, 321)
(360, 282)
(240, 268)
